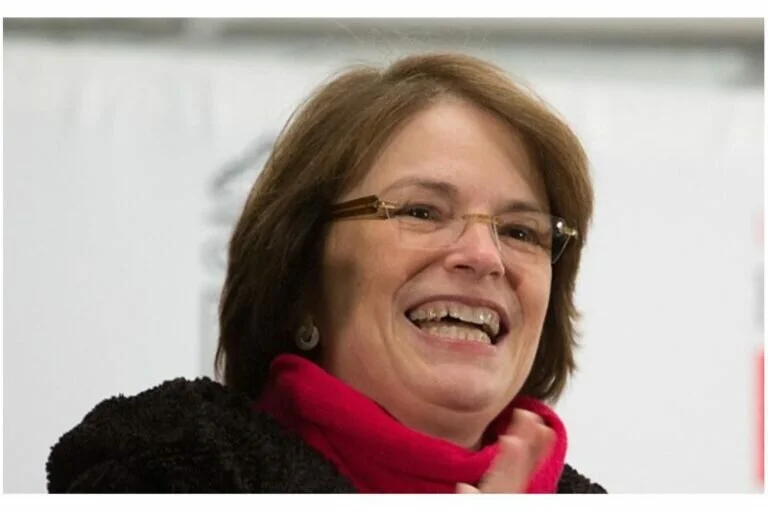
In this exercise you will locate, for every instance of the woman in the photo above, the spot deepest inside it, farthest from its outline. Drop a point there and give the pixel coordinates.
(398, 306)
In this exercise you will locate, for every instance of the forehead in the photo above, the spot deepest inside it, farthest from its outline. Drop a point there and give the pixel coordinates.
(456, 142)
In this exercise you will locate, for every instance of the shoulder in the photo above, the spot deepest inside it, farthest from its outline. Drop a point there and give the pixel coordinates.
(572, 482)
(185, 436)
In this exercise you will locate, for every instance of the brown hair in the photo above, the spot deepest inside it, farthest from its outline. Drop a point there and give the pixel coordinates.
(275, 253)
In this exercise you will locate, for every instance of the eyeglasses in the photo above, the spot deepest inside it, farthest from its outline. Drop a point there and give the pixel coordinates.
(433, 225)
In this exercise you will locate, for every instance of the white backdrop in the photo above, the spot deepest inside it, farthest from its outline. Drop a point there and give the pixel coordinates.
(124, 169)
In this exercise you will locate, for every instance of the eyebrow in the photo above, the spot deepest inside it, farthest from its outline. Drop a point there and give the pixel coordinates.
(442, 187)
(449, 189)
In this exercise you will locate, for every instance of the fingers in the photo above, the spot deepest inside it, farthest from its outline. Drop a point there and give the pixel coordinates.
(521, 450)
(466, 489)
(508, 472)
(539, 439)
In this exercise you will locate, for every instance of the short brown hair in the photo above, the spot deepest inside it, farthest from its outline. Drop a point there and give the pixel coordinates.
(275, 253)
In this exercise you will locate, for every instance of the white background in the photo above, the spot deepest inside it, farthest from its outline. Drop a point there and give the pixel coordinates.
(110, 158)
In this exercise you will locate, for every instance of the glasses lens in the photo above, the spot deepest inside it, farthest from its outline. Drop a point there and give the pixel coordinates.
(527, 236)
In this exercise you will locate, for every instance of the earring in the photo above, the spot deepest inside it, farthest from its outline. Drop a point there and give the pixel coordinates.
(307, 337)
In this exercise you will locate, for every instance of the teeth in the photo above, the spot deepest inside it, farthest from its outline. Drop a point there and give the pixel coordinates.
(476, 315)
(437, 312)
(456, 332)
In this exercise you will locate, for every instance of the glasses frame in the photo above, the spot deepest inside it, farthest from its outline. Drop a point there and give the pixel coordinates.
(373, 207)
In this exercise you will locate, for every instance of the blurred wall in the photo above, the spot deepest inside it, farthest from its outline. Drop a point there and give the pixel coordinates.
(127, 155)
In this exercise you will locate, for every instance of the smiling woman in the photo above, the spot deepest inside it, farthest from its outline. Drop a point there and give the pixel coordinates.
(398, 307)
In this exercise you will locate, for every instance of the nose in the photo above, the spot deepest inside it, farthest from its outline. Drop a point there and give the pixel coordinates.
(476, 251)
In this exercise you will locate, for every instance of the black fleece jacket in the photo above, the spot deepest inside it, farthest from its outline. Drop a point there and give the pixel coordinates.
(198, 437)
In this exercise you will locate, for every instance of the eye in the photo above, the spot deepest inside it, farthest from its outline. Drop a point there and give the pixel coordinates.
(520, 233)
(419, 212)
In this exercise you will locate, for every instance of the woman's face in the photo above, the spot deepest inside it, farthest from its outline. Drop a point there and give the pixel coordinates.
(378, 293)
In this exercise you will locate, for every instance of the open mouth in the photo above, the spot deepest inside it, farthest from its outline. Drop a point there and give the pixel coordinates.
(456, 321)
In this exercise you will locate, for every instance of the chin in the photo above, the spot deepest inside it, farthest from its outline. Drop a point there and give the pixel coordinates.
(467, 390)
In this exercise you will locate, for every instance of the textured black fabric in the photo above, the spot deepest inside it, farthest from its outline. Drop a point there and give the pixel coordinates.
(198, 437)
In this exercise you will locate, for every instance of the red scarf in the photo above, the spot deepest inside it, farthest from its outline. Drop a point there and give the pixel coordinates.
(376, 452)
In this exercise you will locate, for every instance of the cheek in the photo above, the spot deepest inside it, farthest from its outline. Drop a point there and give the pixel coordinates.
(343, 271)
(357, 274)
(533, 293)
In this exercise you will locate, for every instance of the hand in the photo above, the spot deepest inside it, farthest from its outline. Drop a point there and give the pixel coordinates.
(521, 450)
